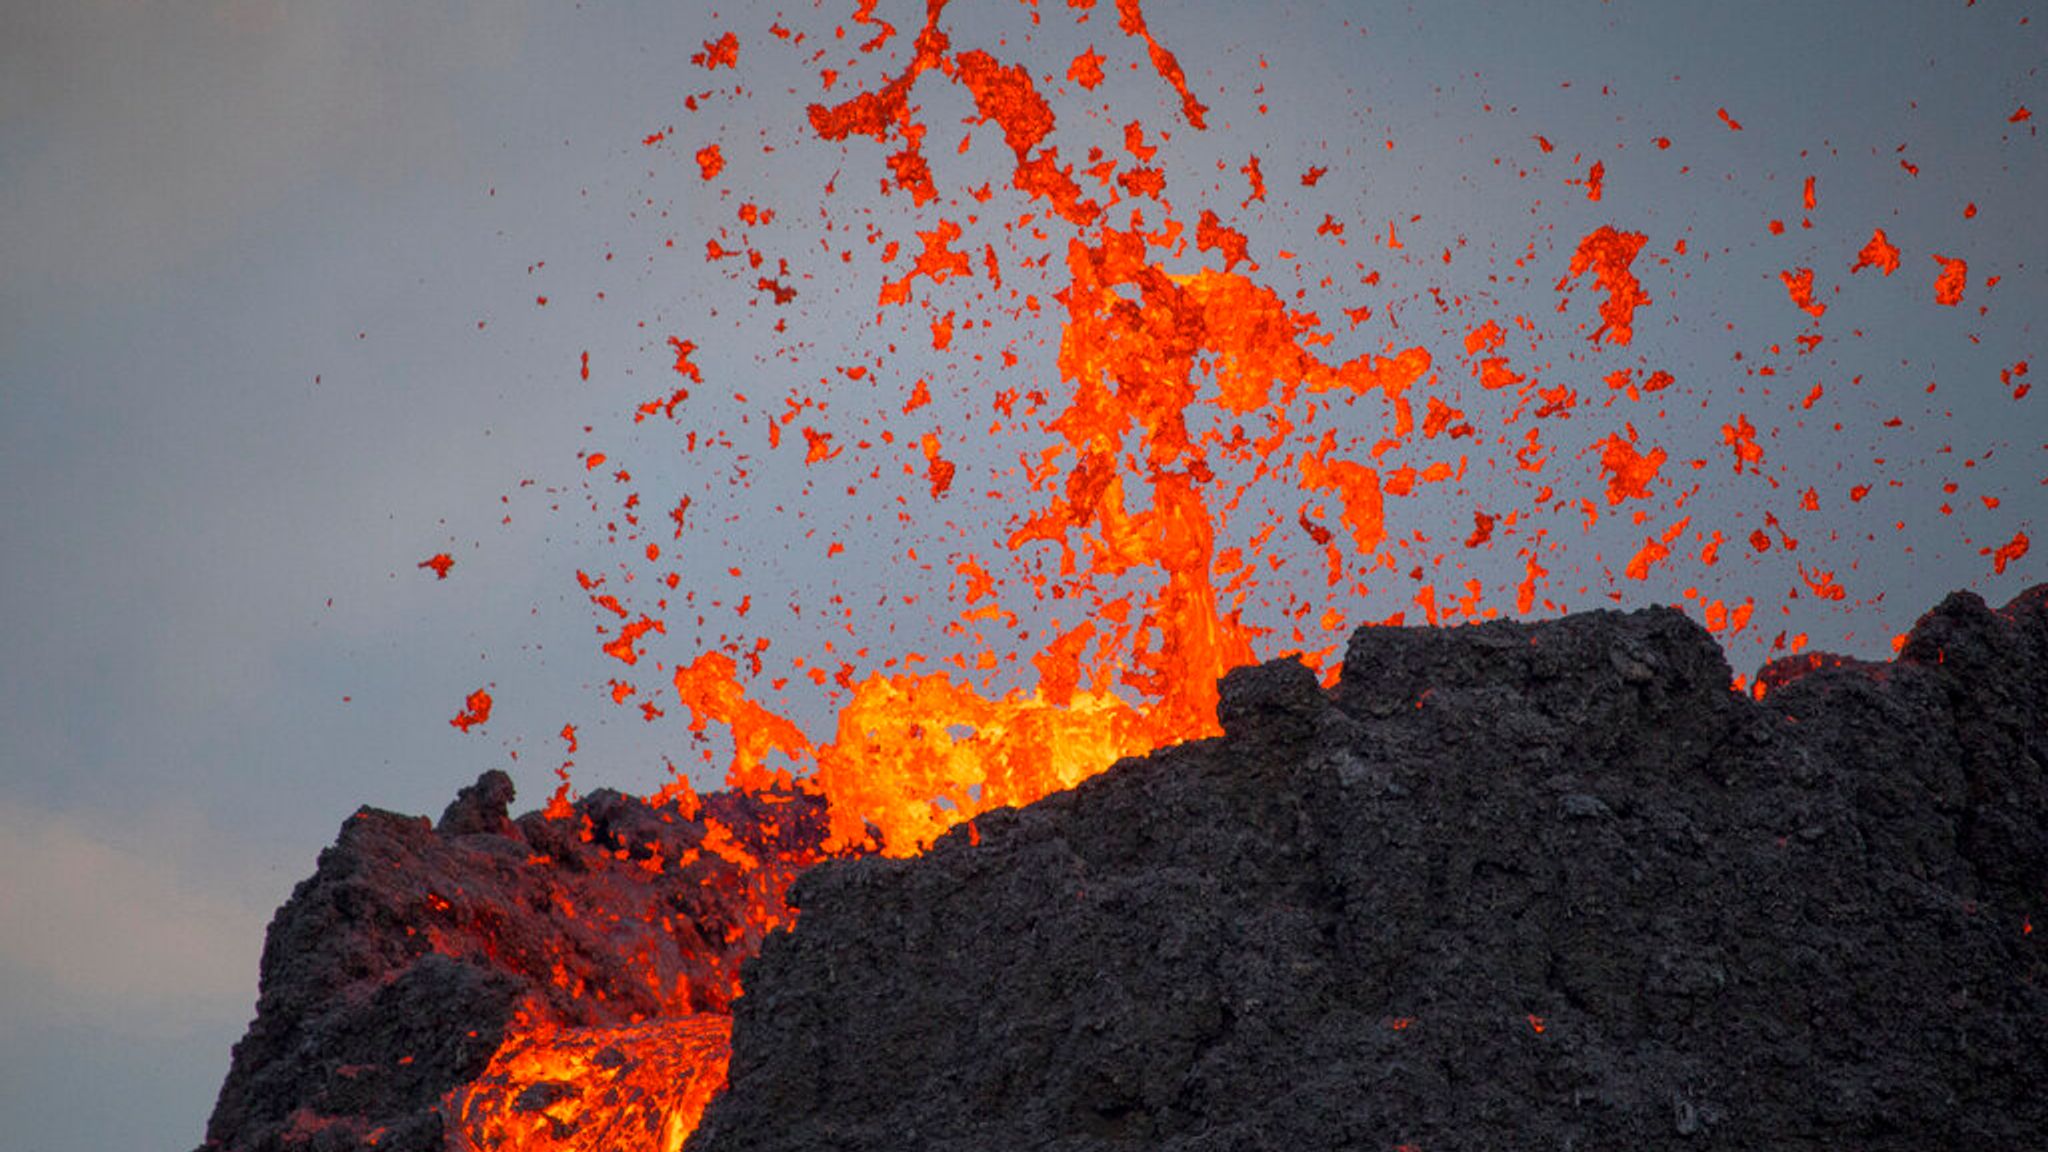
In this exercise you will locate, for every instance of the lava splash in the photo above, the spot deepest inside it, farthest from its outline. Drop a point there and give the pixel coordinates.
(1132, 406)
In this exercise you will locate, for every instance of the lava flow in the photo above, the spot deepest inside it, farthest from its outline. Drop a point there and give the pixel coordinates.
(1200, 471)
(625, 1087)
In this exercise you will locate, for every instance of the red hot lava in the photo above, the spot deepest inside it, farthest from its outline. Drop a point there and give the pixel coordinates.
(1203, 471)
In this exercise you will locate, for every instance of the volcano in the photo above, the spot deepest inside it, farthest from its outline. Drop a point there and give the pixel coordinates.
(1028, 841)
(1543, 885)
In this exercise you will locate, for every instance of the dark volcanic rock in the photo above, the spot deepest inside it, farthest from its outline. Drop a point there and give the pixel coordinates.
(391, 975)
(1528, 886)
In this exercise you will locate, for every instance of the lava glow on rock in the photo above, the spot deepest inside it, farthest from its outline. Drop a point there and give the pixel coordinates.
(1155, 437)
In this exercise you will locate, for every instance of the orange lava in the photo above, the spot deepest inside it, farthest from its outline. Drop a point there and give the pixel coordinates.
(1086, 69)
(2008, 552)
(1949, 285)
(1628, 472)
(1608, 253)
(1799, 286)
(1879, 254)
(475, 710)
(724, 51)
(1130, 17)
(641, 1087)
(1194, 470)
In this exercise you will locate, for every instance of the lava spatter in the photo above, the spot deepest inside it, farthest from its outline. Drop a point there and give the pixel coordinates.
(476, 709)
(1949, 284)
(1609, 253)
(1879, 253)
(1177, 469)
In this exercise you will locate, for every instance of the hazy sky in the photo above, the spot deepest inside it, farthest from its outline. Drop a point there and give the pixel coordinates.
(269, 336)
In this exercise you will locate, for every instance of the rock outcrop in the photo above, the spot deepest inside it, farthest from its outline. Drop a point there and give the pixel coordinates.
(394, 972)
(1546, 885)
(1543, 885)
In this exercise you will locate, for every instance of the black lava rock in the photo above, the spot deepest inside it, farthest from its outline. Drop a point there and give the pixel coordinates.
(1545, 886)
(391, 975)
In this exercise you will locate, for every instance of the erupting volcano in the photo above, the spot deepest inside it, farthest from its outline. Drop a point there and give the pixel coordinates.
(1136, 399)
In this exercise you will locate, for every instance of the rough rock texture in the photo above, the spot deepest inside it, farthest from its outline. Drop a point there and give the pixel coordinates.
(391, 975)
(1538, 886)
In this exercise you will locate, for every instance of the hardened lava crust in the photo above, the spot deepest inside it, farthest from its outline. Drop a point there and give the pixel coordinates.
(1545, 885)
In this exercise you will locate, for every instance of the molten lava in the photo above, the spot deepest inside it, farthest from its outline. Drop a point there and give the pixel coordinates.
(638, 1086)
(1217, 475)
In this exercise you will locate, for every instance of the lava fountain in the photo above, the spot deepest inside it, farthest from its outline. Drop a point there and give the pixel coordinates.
(1137, 407)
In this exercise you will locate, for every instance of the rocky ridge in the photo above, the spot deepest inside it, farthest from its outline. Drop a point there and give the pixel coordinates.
(395, 971)
(1544, 885)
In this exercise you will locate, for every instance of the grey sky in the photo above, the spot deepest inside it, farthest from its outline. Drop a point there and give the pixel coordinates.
(247, 247)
